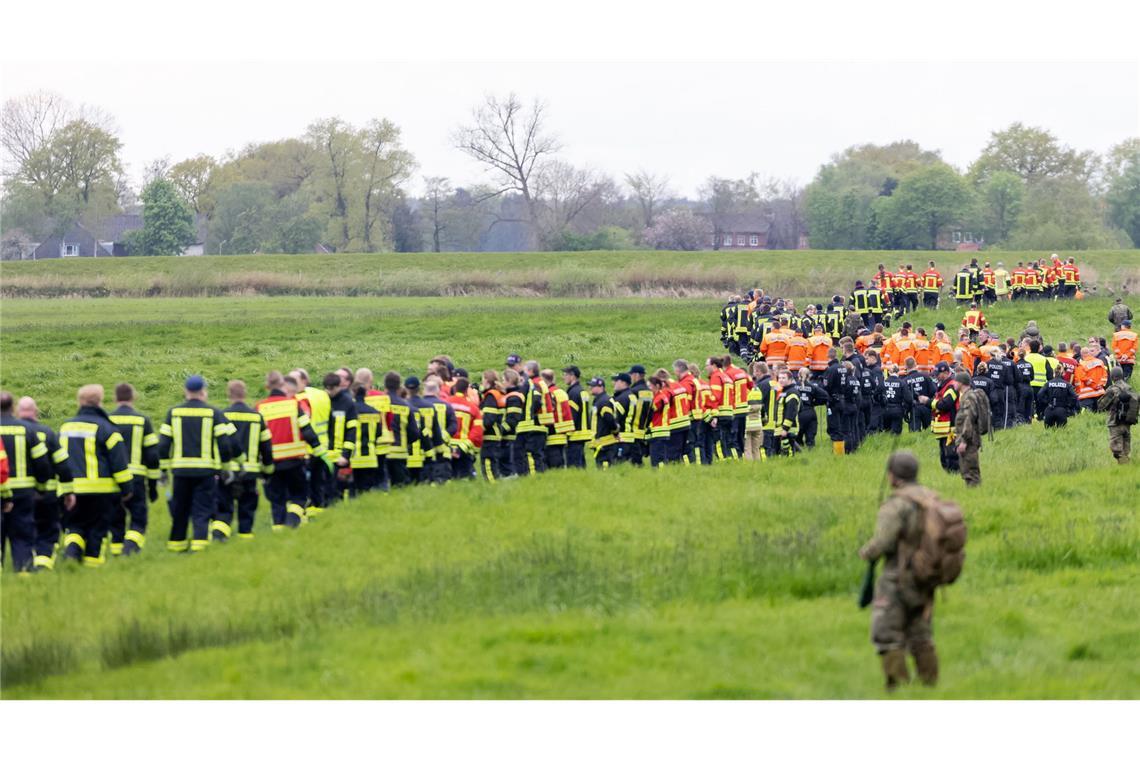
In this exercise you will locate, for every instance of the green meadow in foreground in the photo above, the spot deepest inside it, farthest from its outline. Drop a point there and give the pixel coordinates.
(736, 581)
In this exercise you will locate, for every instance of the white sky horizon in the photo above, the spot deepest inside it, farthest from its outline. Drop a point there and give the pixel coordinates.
(684, 120)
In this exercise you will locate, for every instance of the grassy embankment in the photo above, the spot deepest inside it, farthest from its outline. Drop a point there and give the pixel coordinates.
(571, 275)
(737, 581)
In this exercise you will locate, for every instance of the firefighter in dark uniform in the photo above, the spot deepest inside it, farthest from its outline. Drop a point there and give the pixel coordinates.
(833, 318)
(193, 444)
(442, 425)
(788, 407)
(492, 402)
(404, 427)
(624, 403)
(1057, 402)
(605, 424)
(100, 477)
(580, 412)
(638, 414)
(859, 299)
(343, 425)
(48, 524)
(254, 445)
(142, 459)
(29, 465)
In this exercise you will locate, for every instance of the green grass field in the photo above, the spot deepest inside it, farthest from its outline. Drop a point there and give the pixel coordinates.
(572, 275)
(737, 581)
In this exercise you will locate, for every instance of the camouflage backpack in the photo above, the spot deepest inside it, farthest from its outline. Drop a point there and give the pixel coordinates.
(1128, 405)
(938, 557)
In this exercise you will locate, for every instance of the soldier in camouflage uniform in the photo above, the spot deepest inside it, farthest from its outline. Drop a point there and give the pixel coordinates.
(1119, 433)
(966, 430)
(901, 613)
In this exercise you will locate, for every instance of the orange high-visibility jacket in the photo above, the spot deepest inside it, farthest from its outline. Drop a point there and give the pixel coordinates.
(1124, 346)
(931, 280)
(820, 344)
(798, 350)
(1090, 378)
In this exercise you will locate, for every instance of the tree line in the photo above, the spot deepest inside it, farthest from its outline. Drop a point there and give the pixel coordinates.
(345, 187)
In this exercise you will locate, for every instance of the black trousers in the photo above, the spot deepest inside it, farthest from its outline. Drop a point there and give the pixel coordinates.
(1056, 416)
(726, 430)
(490, 460)
(948, 455)
(851, 423)
(365, 479)
(1025, 398)
(677, 442)
(930, 300)
(192, 505)
(576, 454)
(658, 451)
(320, 483)
(463, 466)
(1127, 370)
(242, 492)
(47, 523)
(604, 458)
(999, 410)
(437, 469)
(89, 521)
(286, 487)
(630, 451)
(136, 509)
(809, 427)
(555, 456)
(707, 440)
(920, 417)
(771, 444)
(18, 530)
(398, 475)
(531, 453)
(738, 425)
(835, 422)
(893, 419)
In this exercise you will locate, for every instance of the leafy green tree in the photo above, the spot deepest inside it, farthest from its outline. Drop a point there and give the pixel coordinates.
(1032, 154)
(1124, 200)
(243, 218)
(1060, 214)
(1001, 196)
(168, 224)
(838, 204)
(192, 178)
(925, 203)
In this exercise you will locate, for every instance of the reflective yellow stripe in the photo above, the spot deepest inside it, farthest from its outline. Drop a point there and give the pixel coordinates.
(74, 538)
(221, 527)
(198, 545)
(178, 546)
(134, 535)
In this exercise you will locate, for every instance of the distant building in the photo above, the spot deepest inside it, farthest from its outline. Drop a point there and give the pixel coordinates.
(960, 240)
(739, 231)
(108, 238)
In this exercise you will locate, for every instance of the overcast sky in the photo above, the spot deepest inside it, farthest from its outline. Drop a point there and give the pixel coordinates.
(682, 119)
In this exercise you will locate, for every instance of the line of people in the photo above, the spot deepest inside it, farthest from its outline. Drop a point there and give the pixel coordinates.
(314, 446)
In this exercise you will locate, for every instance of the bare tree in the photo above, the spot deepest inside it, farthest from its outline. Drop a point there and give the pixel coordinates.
(436, 200)
(386, 166)
(159, 168)
(565, 192)
(27, 123)
(649, 190)
(510, 140)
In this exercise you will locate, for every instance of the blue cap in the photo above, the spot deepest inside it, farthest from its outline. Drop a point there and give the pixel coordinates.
(412, 382)
(195, 383)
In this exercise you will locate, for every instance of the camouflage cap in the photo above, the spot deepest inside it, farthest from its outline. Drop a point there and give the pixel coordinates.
(903, 465)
